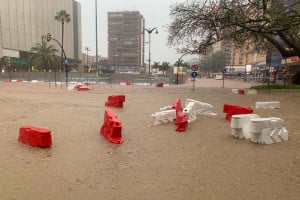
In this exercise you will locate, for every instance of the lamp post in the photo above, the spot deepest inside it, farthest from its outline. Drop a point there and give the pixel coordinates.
(87, 57)
(178, 64)
(96, 16)
(149, 31)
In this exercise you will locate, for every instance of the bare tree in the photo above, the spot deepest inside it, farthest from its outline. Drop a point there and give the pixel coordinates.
(198, 24)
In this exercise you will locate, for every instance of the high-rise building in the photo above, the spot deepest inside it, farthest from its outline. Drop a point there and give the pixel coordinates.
(125, 40)
(23, 22)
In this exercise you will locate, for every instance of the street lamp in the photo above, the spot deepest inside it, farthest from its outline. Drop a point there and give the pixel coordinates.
(150, 30)
(87, 57)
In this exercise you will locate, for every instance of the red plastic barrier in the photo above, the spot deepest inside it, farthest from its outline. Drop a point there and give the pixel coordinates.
(115, 101)
(112, 127)
(240, 91)
(230, 110)
(160, 85)
(36, 137)
(6, 80)
(177, 106)
(181, 121)
(19, 80)
(83, 88)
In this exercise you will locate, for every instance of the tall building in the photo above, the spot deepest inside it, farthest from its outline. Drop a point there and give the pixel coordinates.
(23, 22)
(125, 40)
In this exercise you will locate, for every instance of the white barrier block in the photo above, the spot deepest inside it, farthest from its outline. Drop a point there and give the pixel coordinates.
(236, 91)
(270, 104)
(240, 125)
(190, 112)
(163, 117)
(268, 130)
(201, 107)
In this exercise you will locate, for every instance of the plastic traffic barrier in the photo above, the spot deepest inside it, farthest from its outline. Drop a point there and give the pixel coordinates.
(36, 137)
(268, 104)
(230, 110)
(160, 85)
(115, 101)
(112, 127)
(241, 91)
(177, 105)
(164, 116)
(83, 88)
(181, 121)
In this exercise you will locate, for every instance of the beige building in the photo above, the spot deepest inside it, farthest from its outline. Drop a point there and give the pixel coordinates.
(23, 22)
(125, 40)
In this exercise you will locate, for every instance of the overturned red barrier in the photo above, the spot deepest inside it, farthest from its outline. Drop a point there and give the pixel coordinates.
(240, 91)
(36, 137)
(181, 121)
(177, 106)
(112, 127)
(230, 110)
(115, 101)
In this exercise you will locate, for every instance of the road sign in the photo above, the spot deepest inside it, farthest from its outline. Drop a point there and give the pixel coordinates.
(66, 61)
(223, 71)
(194, 67)
(194, 74)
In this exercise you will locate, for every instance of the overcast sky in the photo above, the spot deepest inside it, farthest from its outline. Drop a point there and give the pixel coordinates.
(155, 13)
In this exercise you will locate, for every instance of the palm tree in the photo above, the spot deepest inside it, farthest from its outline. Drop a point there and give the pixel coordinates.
(43, 55)
(63, 17)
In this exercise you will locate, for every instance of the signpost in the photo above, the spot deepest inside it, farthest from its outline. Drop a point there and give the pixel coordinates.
(223, 73)
(194, 74)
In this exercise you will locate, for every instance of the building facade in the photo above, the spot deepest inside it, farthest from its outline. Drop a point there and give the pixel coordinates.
(125, 41)
(23, 22)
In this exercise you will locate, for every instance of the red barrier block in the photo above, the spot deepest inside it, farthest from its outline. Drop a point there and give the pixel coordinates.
(181, 121)
(230, 110)
(115, 101)
(112, 127)
(240, 91)
(160, 85)
(177, 106)
(19, 80)
(36, 137)
(6, 81)
(80, 88)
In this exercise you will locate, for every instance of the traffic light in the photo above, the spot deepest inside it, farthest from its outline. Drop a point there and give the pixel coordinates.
(49, 37)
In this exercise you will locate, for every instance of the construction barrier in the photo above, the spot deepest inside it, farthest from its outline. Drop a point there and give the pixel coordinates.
(177, 105)
(270, 104)
(115, 101)
(112, 127)
(36, 137)
(159, 84)
(268, 130)
(181, 121)
(230, 110)
(201, 108)
(240, 125)
(164, 116)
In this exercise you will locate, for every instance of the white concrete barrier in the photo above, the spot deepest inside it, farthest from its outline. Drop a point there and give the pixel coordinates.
(165, 116)
(270, 104)
(240, 125)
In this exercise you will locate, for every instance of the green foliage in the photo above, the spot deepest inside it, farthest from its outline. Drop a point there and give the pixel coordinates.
(43, 56)
(275, 86)
(62, 16)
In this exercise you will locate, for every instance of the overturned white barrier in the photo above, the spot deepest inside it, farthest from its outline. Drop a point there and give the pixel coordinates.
(190, 112)
(201, 108)
(164, 116)
(270, 104)
(240, 125)
(267, 130)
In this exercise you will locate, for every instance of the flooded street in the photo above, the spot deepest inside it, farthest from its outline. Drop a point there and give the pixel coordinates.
(154, 162)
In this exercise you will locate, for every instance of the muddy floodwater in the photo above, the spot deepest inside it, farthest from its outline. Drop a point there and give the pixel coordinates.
(153, 162)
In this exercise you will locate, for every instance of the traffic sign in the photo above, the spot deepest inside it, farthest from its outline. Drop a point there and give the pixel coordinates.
(194, 74)
(194, 67)
(223, 71)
